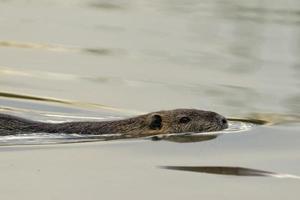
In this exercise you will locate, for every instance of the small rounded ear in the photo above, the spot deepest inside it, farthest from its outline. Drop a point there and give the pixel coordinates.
(155, 122)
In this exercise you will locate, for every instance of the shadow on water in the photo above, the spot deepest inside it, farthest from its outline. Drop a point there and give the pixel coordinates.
(233, 171)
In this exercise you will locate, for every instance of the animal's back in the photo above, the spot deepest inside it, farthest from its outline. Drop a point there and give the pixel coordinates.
(12, 125)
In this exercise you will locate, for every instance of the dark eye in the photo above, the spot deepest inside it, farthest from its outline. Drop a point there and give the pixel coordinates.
(184, 120)
(224, 121)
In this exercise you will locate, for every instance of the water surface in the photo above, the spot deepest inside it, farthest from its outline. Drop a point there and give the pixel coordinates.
(99, 60)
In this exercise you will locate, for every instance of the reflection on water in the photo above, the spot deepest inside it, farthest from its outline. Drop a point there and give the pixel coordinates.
(233, 171)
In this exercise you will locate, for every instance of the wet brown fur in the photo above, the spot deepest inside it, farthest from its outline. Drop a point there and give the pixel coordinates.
(161, 122)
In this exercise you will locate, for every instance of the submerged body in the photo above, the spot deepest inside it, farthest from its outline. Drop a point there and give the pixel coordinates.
(161, 122)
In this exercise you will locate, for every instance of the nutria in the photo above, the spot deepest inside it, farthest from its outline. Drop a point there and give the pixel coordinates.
(161, 122)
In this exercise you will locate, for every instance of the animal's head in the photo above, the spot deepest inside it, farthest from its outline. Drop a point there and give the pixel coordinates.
(185, 120)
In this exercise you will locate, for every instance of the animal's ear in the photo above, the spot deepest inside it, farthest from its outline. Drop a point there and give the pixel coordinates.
(155, 122)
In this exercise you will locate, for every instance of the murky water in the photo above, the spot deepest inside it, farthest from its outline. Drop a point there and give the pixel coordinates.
(99, 59)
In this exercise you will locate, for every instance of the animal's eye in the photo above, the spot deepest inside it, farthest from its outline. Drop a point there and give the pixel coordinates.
(184, 120)
(156, 122)
(224, 121)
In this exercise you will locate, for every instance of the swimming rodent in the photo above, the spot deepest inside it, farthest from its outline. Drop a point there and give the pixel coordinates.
(161, 122)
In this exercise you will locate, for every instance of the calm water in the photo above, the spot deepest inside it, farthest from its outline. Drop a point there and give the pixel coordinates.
(100, 59)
